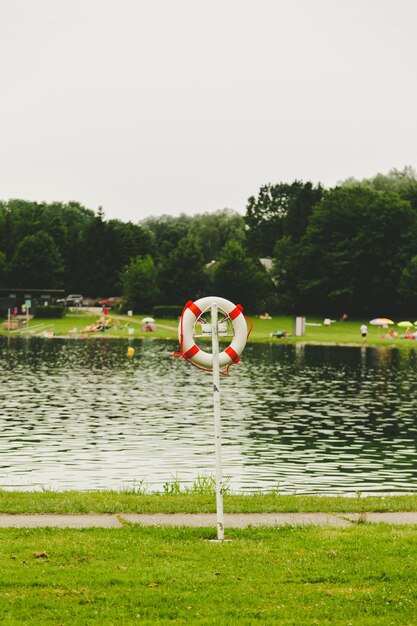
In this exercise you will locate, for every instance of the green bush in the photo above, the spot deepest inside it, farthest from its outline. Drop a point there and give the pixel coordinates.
(48, 312)
(167, 311)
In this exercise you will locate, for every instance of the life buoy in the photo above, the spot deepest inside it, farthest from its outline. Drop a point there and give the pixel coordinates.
(189, 349)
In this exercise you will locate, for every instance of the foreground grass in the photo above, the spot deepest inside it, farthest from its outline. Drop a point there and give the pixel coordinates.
(359, 576)
(121, 502)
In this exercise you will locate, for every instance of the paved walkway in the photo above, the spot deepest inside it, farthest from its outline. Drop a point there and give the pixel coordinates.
(231, 520)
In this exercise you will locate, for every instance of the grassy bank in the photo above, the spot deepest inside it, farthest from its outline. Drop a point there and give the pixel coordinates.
(75, 325)
(359, 576)
(121, 502)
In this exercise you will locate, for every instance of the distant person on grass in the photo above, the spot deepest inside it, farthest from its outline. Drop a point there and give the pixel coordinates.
(364, 331)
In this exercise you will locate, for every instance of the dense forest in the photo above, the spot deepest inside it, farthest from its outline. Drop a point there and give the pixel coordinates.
(299, 248)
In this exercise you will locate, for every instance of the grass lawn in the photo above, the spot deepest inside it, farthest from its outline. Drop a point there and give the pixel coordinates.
(74, 324)
(336, 333)
(359, 576)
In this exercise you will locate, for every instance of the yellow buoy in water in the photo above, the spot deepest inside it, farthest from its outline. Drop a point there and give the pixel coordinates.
(131, 351)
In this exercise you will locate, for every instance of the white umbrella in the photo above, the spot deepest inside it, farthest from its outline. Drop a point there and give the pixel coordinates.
(381, 321)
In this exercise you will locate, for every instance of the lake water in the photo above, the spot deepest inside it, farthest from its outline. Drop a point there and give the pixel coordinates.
(312, 419)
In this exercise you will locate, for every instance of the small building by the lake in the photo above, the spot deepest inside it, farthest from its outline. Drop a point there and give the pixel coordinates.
(11, 298)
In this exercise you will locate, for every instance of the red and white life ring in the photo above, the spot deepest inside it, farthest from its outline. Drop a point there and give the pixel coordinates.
(190, 350)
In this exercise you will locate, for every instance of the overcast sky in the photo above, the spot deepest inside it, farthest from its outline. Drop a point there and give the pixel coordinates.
(147, 107)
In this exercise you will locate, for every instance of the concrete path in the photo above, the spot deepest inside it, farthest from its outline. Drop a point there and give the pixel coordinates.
(231, 520)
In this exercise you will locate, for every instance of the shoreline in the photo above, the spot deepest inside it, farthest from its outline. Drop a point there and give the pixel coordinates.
(290, 341)
(114, 502)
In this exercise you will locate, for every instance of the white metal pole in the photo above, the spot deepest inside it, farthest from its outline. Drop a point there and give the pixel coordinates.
(217, 426)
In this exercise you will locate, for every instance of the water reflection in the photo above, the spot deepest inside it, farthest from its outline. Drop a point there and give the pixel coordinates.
(80, 414)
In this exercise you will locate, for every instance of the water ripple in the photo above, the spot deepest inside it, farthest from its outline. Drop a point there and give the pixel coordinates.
(80, 414)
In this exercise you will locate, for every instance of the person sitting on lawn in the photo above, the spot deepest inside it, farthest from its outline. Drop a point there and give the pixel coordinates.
(392, 334)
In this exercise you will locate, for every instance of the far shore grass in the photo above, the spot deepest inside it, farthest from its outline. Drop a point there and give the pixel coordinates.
(74, 325)
(114, 502)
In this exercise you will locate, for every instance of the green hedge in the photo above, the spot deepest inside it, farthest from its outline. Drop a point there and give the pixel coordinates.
(48, 312)
(167, 311)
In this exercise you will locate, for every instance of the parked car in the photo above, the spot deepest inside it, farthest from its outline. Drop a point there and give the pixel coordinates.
(74, 299)
(112, 301)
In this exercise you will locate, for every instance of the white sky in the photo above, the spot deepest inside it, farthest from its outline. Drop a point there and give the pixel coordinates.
(166, 106)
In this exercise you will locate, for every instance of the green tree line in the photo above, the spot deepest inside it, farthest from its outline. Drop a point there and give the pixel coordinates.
(299, 248)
